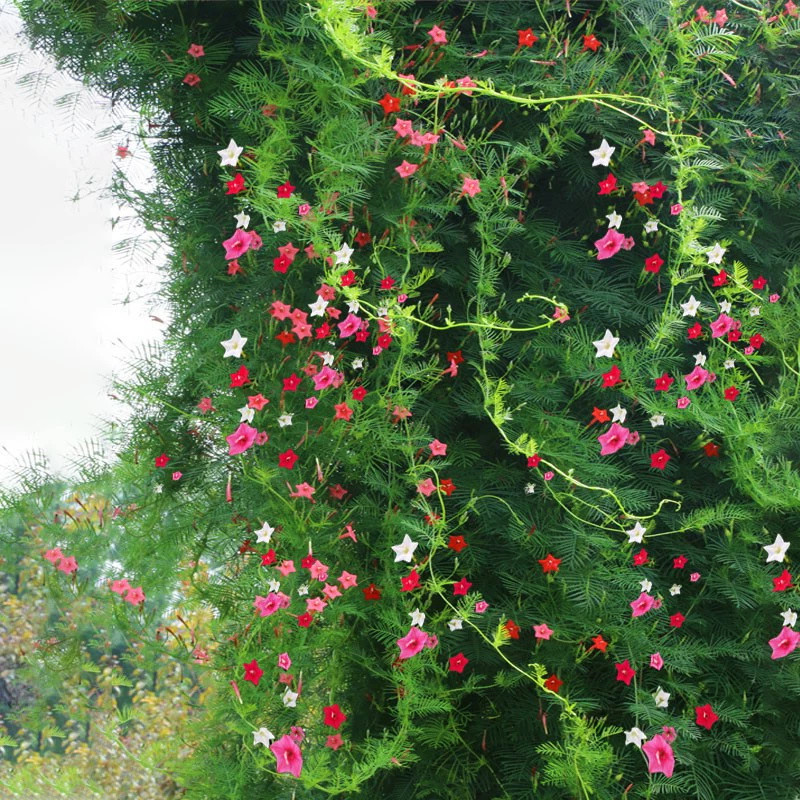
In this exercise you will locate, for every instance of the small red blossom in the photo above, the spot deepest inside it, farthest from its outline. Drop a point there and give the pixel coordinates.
(553, 683)
(550, 563)
(612, 377)
(285, 189)
(711, 449)
(591, 42)
(252, 672)
(599, 643)
(236, 185)
(162, 460)
(287, 459)
(240, 377)
(679, 562)
(458, 662)
(372, 592)
(608, 184)
(461, 587)
(625, 672)
(457, 543)
(731, 393)
(640, 557)
(659, 459)
(191, 79)
(333, 716)
(782, 582)
(526, 38)
(511, 628)
(663, 383)
(695, 331)
(654, 263)
(304, 620)
(677, 620)
(389, 103)
(410, 581)
(760, 282)
(705, 716)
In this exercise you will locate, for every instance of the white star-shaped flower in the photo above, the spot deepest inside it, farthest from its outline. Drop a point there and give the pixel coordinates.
(242, 219)
(274, 585)
(777, 550)
(263, 736)
(284, 420)
(635, 736)
(755, 311)
(455, 624)
(729, 363)
(327, 358)
(530, 488)
(646, 585)
(230, 156)
(290, 698)
(725, 307)
(382, 311)
(302, 590)
(264, 533)
(699, 359)
(353, 306)
(417, 617)
(343, 254)
(715, 254)
(405, 550)
(318, 307)
(619, 413)
(602, 156)
(675, 589)
(233, 346)
(651, 226)
(278, 226)
(246, 414)
(661, 697)
(789, 617)
(614, 220)
(656, 420)
(691, 306)
(636, 533)
(358, 363)
(605, 346)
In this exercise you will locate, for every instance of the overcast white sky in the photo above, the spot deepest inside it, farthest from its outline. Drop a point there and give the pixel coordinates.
(63, 329)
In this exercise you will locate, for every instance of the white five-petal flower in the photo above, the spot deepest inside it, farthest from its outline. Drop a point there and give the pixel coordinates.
(242, 221)
(290, 698)
(230, 156)
(651, 226)
(405, 550)
(264, 533)
(635, 736)
(691, 306)
(789, 617)
(417, 617)
(233, 346)
(661, 697)
(777, 550)
(605, 346)
(614, 220)
(715, 254)
(602, 156)
(636, 534)
(343, 254)
(656, 420)
(455, 624)
(619, 413)
(263, 736)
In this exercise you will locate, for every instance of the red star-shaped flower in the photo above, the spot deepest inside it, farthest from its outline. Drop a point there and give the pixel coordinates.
(591, 42)
(711, 449)
(782, 582)
(705, 716)
(191, 79)
(461, 587)
(679, 562)
(643, 198)
(455, 357)
(720, 279)
(731, 393)
(348, 279)
(343, 411)
(387, 283)
(663, 383)
(657, 190)
(285, 189)
(362, 238)
(625, 672)
(600, 415)
(612, 377)
(608, 184)
(535, 459)
(304, 620)
(550, 563)
(458, 662)
(252, 672)
(389, 103)
(410, 581)
(756, 340)
(695, 331)
(291, 383)
(285, 337)
(526, 38)
(162, 460)
(599, 643)
(257, 401)
(236, 185)
(268, 558)
(653, 264)
(553, 683)
(372, 592)
(511, 628)
(240, 377)
(659, 459)
(676, 620)
(337, 492)
(640, 557)
(760, 282)
(457, 543)
(446, 486)
(287, 459)
(333, 716)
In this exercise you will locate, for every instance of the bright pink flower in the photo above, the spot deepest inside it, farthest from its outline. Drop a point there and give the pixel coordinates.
(613, 439)
(120, 587)
(412, 643)
(426, 487)
(659, 754)
(542, 631)
(610, 244)
(785, 642)
(438, 35)
(406, 169)
(642, 604)
(683, 402)
(721, 325)
(349, 326)
(268, 605)
(54, 555)
(238, 244)
(656, 661)
(471, 186)
(241, 439)
(288, 755)
(696, 378)
(284, 661)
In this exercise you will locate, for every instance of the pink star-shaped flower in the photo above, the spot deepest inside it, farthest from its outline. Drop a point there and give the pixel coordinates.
(412, 643)
(406, 169)
(347, 580)
(438, 35)
(471, 186)
(438, 448)
(613, 439)
(785, 642)
(542, 631)
(426, 487)
(610, 244)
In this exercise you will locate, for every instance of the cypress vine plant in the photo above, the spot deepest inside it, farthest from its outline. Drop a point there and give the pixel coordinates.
(474, 423)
